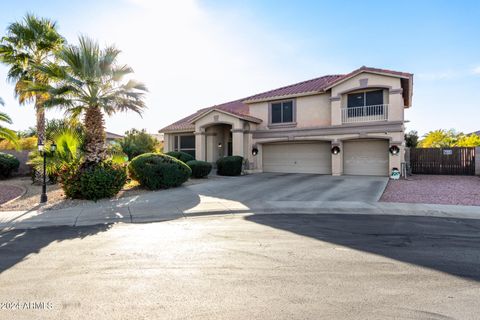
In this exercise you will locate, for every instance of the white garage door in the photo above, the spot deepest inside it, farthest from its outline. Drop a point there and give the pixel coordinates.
(365, 157)
(297, 158)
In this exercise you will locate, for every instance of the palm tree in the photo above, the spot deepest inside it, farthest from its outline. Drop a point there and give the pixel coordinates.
(87, 81)
(6, 133)
(27, 44)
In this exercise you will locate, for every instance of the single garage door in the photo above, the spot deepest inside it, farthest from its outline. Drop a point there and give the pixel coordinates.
(297, 157)
(365, 157)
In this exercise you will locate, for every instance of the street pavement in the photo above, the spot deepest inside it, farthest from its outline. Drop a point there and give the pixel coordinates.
(246, 266)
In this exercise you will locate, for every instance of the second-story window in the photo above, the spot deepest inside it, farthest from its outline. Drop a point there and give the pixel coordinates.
(365, 103)
(282, 112)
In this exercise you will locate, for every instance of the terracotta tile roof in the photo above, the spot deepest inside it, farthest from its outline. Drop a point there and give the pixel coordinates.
(183, 124)
(312, 85)
(397, 73)
(368, 69)
(238, 107)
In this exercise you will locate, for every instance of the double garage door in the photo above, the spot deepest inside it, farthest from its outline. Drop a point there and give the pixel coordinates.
(360, 157)
(298, 158)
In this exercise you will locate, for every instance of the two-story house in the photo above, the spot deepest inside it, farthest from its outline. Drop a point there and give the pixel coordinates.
(336, 124)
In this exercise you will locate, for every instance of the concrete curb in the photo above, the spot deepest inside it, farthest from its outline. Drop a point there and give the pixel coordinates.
(133, 213)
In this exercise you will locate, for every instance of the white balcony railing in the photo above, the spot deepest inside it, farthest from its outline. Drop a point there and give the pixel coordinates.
(377, 112)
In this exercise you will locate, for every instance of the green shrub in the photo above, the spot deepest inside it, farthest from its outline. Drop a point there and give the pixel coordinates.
(8, 164)
(199, 168)
(182, 156)
(68, 153)
(230, 166)
(137, 142)
(156, 171)
(103, 180)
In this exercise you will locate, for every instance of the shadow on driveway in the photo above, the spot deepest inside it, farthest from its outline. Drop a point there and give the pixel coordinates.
(444, 244)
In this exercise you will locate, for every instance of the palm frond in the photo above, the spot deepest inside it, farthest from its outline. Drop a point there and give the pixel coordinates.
(5, 118)
(27, 44)
(120, 72)
(9, 135)
(6, 133)
(86, 78)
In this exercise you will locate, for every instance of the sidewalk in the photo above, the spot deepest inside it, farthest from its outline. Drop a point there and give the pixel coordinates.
(170, 205)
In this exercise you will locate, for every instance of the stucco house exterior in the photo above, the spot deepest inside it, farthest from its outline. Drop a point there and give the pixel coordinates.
(350, 124)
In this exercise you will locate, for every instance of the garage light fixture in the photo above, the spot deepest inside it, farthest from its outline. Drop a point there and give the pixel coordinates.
(219, 145)
(254, 151)
(394, 150)
(336, 150)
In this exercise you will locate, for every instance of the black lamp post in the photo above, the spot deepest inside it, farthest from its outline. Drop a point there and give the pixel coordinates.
(41, 149)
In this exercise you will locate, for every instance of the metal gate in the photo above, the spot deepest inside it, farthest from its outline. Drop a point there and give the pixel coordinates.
(454, 161)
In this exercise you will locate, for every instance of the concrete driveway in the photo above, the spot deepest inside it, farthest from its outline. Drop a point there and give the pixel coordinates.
(257, 193)
(297, 187)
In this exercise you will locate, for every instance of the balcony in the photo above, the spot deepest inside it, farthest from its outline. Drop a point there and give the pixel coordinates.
(377, 112)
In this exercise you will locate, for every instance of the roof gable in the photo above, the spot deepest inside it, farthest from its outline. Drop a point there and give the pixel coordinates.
(368, 70)
(229, 112)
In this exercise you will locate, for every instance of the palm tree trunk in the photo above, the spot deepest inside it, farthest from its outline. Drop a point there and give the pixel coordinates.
(40, 113)
(95, 146)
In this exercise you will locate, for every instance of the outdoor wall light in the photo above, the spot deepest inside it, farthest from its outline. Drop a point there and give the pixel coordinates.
(254, 151)
(394, 150)
(219, 145)
(336, 150)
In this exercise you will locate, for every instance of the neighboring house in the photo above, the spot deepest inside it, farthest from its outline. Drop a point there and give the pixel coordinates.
(158, 136)
(113, 137)
(294, 129)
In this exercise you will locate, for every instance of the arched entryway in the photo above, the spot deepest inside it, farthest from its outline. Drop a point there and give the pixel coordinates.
(218, 141)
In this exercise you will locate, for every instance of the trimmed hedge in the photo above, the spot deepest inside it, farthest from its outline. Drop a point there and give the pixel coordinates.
(103, 180)
(230, 166)
(8, 164)
(199, 168)
(182, 156)
(158, 171)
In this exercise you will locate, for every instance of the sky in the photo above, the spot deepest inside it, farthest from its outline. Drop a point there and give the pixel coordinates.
(193, 54)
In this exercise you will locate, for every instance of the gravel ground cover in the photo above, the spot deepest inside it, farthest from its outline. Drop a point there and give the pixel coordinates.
(434, 189)
(56, 197)
(9, 192)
